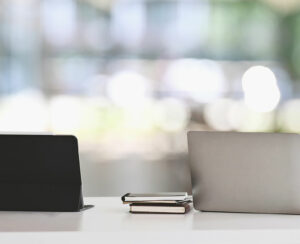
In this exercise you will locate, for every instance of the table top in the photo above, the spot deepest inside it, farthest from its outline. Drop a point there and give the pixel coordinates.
(109, 219)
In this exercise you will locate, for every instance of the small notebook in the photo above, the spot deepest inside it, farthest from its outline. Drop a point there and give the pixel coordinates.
(167, 197)
(159, 208)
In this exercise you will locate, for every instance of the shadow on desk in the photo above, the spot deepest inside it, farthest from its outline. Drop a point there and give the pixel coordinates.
(243, 221)
(39, 221)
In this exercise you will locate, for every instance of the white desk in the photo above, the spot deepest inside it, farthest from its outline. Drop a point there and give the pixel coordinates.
(109, 221)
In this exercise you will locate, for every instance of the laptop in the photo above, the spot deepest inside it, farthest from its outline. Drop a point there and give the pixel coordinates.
(40, 173)
(245, 172)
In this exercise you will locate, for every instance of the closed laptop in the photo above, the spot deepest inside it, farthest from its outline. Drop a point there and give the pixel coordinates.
(245, 172)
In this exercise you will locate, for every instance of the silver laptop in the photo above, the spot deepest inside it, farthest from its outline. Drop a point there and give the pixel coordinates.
(245, 172)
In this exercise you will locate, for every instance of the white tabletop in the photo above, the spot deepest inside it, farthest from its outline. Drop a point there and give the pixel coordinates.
(110, 221)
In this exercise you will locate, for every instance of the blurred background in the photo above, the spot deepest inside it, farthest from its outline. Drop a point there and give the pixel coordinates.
(129, 78)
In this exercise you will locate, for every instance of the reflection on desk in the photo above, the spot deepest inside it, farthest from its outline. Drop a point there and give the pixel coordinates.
(244, 221)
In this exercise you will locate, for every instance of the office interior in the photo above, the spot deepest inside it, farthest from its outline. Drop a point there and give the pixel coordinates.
(129, 78)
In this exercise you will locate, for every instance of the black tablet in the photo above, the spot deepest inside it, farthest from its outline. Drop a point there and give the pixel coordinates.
(40, 173)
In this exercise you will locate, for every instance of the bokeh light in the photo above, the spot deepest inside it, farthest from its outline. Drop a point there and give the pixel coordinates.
(201, 80)
(244, 119)
(65, 114)
(260, 89)
(128, 89)
(217, 114)
(24, 112)
(171, 115)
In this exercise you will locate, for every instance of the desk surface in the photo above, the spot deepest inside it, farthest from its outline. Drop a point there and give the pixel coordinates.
(110, 220)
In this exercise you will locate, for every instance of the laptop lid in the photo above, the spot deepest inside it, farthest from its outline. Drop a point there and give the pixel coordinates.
(245, 172)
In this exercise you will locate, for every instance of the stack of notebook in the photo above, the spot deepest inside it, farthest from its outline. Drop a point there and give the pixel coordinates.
(158, 202)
